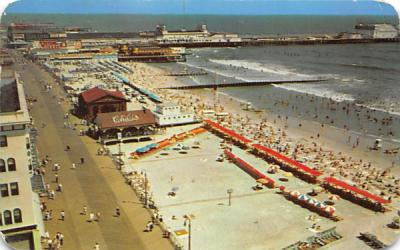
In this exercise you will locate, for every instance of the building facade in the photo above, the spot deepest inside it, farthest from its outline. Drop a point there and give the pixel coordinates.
(133, 126)
(171, 114)
(96, 100)
(20, 215)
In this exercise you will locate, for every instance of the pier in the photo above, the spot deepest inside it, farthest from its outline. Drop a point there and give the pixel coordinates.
(240, 84)
(189, 74)
(260, 41)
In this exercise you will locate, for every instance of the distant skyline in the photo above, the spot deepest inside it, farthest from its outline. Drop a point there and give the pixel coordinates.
(213, 7)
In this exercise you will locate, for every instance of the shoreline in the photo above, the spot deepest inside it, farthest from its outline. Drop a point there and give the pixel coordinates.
(330, 136)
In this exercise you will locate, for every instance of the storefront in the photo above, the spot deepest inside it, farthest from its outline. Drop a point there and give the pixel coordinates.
(132, 126)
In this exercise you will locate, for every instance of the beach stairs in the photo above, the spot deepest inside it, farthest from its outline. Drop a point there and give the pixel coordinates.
(314, 242)
(372, 241)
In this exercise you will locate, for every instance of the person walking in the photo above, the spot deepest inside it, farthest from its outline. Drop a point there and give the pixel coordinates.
(62, 214)
(73, 165)
(91, 217)
(84, 210)
(56, 175)
(61, 238)
(82, 160)
(59, 187)
(117, 212)
(98, 216)
(52, 195)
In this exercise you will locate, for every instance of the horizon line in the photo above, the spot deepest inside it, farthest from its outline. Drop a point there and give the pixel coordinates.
(193, 14)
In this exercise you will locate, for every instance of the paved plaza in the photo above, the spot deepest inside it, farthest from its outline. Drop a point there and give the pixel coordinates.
(256, 219)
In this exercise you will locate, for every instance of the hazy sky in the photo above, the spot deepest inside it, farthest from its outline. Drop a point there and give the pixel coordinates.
(247, 7)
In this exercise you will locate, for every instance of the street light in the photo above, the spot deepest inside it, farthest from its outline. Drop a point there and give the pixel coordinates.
(188, 221)
(119, 137)
(230, 191)
(145, 189)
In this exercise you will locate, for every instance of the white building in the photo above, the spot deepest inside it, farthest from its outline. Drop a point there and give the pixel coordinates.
(171, 114)
(200, 35)
(20, 216)
(378, 31)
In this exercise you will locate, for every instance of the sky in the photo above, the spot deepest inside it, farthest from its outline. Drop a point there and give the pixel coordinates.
(215, 7)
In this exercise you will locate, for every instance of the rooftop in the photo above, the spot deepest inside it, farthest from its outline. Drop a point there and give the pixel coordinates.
(96, 93)
(9, 101)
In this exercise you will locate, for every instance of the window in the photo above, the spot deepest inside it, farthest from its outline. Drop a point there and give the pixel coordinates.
(4, 190)
(19, 127)
(17, 215)
(3, 141)
(7, 217)
(14, 188)
(11, 164)
(7, 128)
(2, 165)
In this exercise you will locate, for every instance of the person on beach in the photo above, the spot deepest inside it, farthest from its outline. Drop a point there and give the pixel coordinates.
(82, 160)
(91, 217)
(73, 166)
(62, 215)
(84, 210)
(117, 212)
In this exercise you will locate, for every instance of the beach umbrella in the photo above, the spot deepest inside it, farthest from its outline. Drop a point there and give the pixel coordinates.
(288, 174)
(330, 209)
(295, 193)
(282, 188)
(312, 201)
(334, 197)
(262, 181)
(303, 197)
(320, 205)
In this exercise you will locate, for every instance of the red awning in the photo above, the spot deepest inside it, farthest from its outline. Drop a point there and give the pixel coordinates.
(354, 189)
(292, 162)
(228, 131)
(247, 167)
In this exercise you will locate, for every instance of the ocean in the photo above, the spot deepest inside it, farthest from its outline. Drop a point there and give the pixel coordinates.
(363, 75)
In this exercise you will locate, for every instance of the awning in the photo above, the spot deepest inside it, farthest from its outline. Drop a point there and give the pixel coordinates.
(292, 162)
(354, 189)
(227, 131)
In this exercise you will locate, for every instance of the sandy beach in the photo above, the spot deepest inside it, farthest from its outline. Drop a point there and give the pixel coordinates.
(322, 147)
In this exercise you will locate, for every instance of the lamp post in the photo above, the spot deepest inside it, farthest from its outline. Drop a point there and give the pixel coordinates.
(145, 189)
(119, 137)
(229, 191)
(188, 221)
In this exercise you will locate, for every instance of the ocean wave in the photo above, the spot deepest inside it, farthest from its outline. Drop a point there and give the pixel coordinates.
(256, 66)
(321, 92)
(217, 72)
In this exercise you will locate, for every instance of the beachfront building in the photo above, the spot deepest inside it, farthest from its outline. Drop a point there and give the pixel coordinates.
(378, 31)
(20, 215)
(170, 114)
(199, 35)
(30, 32)
(96, 100)
(132, 126)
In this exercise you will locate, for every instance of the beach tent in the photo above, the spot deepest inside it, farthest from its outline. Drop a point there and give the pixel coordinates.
(303, 197)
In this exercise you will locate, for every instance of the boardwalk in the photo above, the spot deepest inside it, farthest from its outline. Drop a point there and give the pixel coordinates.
(96, 183)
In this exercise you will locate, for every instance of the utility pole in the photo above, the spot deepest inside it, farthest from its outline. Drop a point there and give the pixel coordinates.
(145, 189)
(189, 220)
(229, 191)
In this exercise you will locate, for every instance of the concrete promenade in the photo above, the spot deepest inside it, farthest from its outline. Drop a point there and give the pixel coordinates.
(96, 184)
